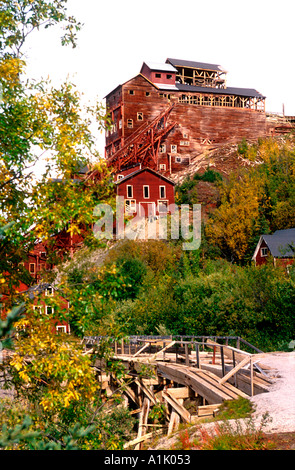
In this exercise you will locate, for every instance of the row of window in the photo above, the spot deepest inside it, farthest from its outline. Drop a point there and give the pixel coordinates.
(146, 191)
(130, 206)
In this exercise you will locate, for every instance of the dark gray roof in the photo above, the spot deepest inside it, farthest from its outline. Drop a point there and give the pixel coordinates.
(282, 243)
(195, 65)
(248, 92)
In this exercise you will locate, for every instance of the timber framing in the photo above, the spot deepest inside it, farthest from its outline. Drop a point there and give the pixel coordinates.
(166, 114)
(190, 377)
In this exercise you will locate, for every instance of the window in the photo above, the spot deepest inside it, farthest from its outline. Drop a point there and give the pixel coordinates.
(49, 291)
(120, 124)
(130, 123)
(140, 116)
(32, 268)
(129, 191)
(61, 329)
(173, 148)
(162, 166)
(131, 92)
(162, 192)
(162, 148)
(38, 307)
(158, 75)
(178, 159)
(49, 310)
(168, 76)
(147, 93)
(146, 192)
(43, 254)
(163, 207)
(130, 205)
(184, 142)
(264, 251)
(119, 177)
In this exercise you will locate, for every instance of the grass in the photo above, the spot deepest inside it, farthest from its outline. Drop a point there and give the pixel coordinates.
(233, 431)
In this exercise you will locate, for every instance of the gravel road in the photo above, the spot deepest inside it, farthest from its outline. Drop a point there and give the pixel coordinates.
(279, 402)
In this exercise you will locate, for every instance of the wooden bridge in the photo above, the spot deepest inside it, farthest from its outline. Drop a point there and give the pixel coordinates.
(189, 377)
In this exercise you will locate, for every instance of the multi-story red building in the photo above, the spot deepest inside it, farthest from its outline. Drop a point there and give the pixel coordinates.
(165, 115)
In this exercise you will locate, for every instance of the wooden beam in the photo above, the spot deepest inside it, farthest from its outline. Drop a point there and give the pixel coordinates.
(234, 370)
(184, 414)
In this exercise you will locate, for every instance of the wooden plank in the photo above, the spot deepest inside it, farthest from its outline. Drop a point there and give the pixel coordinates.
(142, 438)
(147, 392)
(179, 392)
(184, 414)
(173, 423)
(164, 349)
(143, 421)
(234, 370)
(207, 410)
(141, 349)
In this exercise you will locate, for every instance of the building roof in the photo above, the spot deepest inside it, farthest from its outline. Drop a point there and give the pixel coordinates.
(281, 243)
(247, 92)
(161, 67)
(195, 65)
(134, 173)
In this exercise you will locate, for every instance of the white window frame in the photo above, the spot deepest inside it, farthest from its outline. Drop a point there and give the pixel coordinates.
(263, 251)
(129, 195)
(146, 186)
(38, 307)
(160, 191)
(130, 205)
(162, 166)
(178, 159)
(162, 148)
(130, 123)
(163, 203)
(49, 291)
(173, 148)
(140, 116)
(119, 177)
(46, 309)
(63, 328)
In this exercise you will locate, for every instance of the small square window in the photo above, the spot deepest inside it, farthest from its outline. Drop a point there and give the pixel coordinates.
(158, 75)
(162, 166)
(140, 116)
(162, 148)
(173, 148)
(119, 177)
(178, 159)
(129, 123)
(168, 76)
(131, 92)
(147, 93)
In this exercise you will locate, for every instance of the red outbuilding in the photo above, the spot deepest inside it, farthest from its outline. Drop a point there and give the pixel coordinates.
(146, 193)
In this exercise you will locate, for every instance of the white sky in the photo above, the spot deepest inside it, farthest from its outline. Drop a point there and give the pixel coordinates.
(253, 40)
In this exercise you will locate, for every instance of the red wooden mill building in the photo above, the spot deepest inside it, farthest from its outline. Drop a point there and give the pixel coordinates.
(165, 115)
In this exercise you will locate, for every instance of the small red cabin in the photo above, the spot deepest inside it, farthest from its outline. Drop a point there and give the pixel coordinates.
(146, 193)
(279, 247)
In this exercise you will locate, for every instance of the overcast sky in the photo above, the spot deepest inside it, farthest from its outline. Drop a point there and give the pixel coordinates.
(253, 40)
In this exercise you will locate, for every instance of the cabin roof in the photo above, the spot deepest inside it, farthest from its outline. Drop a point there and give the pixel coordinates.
(135, 173)
(281, 243)
(161, 67)
(195, 65)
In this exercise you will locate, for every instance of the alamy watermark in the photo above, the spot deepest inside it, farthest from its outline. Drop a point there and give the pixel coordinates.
(177, 222)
